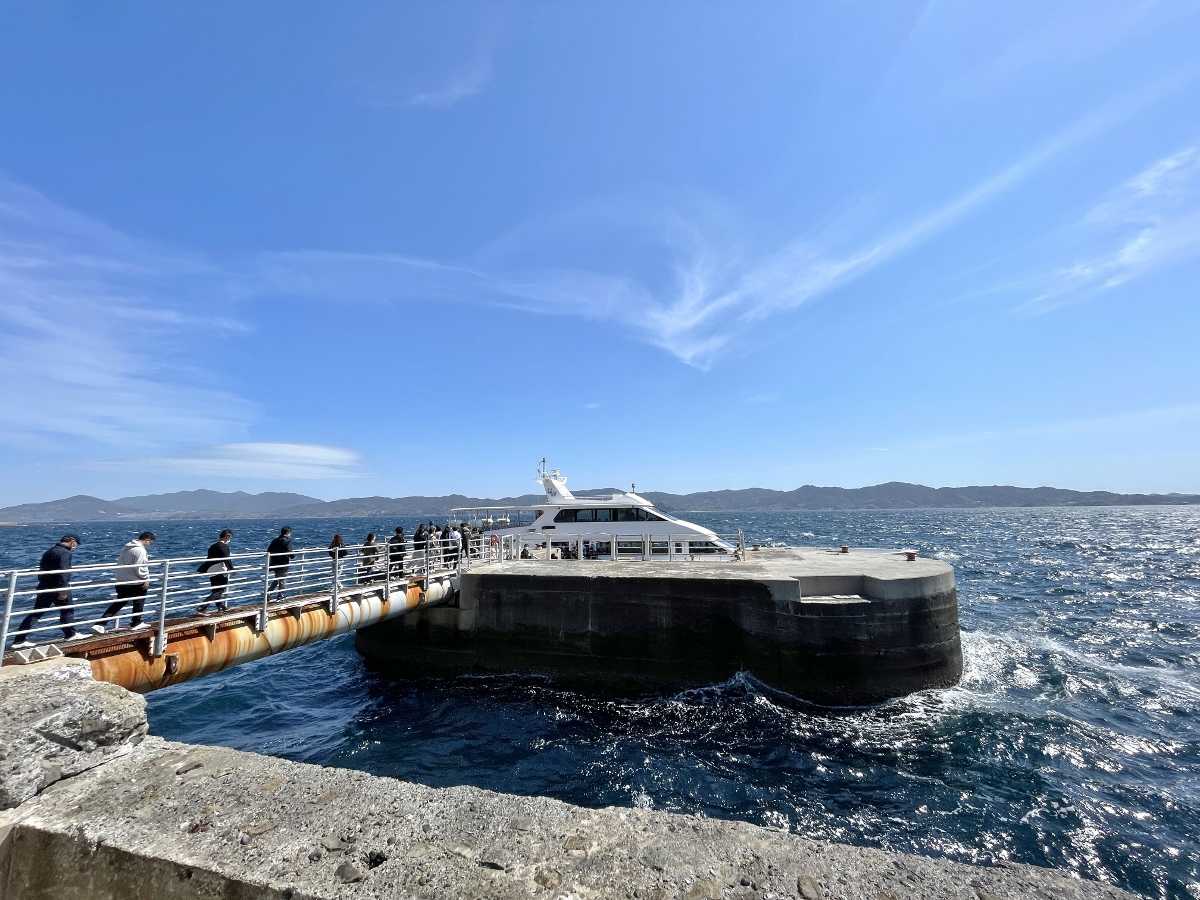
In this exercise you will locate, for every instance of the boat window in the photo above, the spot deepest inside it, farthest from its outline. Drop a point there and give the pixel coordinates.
(651, 517)
(585, 515)
(603, 515)
(626, 515)
(565, 515)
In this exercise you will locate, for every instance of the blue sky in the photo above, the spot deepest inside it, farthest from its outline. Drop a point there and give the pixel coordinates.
(385, 250)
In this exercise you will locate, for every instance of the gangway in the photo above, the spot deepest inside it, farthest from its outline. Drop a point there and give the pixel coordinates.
(272, 604)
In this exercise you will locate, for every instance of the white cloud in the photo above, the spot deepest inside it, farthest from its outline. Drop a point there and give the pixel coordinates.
(95, 341)
(1147, 223)
(276, 461)
(714, 289)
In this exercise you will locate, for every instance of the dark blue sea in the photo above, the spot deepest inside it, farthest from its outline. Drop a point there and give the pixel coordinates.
(1072, 742)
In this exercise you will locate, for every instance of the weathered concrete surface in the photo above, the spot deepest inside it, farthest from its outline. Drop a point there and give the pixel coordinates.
(56, 722)
(833, 628)
(167, 820)
(171, 820)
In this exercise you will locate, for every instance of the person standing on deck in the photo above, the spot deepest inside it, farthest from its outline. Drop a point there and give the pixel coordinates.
(133, 581)
(396, 553)
(218, 558)
(456, 545)
(337, 552)
(56, 565)
(279, 558)
(433, 545)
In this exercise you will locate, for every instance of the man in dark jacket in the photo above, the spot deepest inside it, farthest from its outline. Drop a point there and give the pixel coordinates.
(396, 553)
(279, 554)
(53, 590)
(218, 559)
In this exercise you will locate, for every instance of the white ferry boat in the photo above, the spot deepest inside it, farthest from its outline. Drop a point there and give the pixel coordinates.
(620, 526)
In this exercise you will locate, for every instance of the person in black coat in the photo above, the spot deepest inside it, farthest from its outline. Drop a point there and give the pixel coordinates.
(279, 554)
(53, 590)
(218, 558)
(396, 552)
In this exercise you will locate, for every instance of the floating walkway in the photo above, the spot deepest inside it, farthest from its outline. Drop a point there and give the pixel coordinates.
(272, 606)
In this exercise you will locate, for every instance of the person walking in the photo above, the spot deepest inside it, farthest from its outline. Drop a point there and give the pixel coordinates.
(218, 558)
(133, 582)
(396, 553)
(53, 586)
(433, 552)
(279, 559)
(337, 552)
(368, 556)
(419, 537)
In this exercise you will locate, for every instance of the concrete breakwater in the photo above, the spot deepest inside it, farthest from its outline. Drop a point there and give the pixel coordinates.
(834, 628)
(93, 807)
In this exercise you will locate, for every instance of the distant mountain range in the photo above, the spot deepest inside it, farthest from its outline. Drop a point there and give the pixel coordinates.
(240, 505)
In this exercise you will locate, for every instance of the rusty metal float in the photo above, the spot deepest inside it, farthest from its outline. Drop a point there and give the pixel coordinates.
(203, 645)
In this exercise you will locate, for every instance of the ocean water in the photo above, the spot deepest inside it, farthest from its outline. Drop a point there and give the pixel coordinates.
(1072, 742)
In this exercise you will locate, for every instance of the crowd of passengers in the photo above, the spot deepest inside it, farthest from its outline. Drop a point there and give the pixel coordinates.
(438, 547)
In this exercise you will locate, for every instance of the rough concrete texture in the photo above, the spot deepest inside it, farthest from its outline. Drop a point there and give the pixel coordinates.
(172, 820)
(56, 722)
(873, 573)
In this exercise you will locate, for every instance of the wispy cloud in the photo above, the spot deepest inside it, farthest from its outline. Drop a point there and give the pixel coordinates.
(471, 71)
(714, 288)
(691, 280)
(94, 337)
(1150, 222)
(460, 85)
(275, 461)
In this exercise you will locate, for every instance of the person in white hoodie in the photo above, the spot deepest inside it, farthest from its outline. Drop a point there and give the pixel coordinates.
(133, 581)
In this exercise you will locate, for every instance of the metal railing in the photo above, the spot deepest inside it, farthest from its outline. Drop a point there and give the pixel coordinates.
(622, 545)
(176, 591)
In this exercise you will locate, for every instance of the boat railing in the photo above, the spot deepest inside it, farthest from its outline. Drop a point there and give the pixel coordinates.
(629, 545)
(257, 584)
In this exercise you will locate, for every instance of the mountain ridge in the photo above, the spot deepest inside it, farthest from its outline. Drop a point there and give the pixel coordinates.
(892, 495)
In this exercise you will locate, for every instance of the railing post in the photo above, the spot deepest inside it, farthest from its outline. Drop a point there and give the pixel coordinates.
(261, 624)
(9, 593)
(387, 573)
(334, 592)
(159, 644)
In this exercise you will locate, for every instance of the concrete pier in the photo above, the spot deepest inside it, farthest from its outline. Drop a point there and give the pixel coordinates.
(830, 627)
(98, 809)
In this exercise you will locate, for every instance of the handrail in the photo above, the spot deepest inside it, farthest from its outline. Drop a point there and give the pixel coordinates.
(176, 587)
(259, 582)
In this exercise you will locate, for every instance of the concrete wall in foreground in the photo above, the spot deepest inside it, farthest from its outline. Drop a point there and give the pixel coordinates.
(147, 818)
(631, 632)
